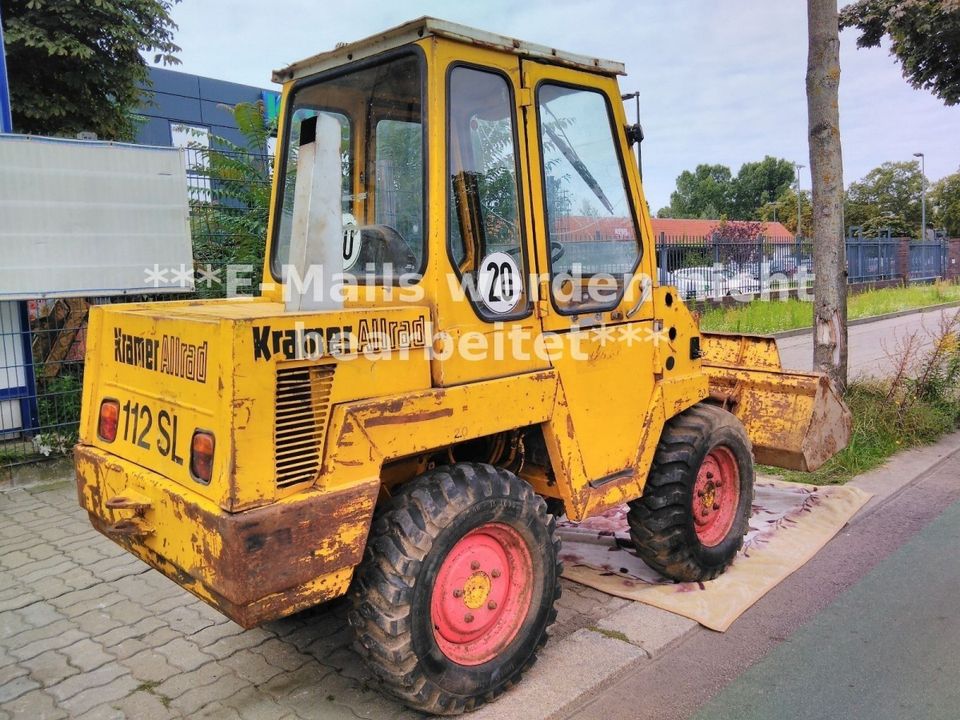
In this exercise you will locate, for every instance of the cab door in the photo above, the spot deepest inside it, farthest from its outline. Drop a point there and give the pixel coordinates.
(594, 293)
(485, 298)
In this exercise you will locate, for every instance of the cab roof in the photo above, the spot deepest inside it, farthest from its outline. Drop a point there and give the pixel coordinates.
(416, 29)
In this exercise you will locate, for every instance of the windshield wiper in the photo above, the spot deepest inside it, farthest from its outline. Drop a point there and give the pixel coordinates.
(571, 155)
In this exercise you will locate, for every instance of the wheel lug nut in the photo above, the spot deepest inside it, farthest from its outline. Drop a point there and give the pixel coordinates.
(468, 618)
(492, 605)
(458, 593)
(474, 565)
(716, 506)
(700, 493)
(709, 476)
(495, 573)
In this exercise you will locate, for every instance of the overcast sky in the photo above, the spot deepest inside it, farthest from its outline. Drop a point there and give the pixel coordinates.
(720, 81)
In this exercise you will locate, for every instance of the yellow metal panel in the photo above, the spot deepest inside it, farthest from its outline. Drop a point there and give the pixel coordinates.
(234, 395)
(364, 434)
(167, 375)
(608, 385)
(358, 375)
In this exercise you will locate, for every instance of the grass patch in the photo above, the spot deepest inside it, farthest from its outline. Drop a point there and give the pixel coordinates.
(881, 428)
(779, 315)
(613, 634)
(150, 687)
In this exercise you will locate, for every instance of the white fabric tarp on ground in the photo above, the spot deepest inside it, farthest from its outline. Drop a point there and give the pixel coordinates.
(791, 522)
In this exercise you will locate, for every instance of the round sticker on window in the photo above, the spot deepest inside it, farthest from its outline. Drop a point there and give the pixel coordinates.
(499, 283)
(351, 241)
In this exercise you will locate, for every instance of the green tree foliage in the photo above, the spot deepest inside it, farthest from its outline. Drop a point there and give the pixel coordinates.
(76, 65)
(892, 190)
(888, 224)
(712, 191)
(704, 193)
(924, 36)
(494, 151)
(784, 210)
(229, 224)
(759, 183)
(945, 203)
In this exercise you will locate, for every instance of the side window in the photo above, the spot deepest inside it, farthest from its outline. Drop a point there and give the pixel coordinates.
(382, 166)
(484, 229)
(398, 183)
(590, 223)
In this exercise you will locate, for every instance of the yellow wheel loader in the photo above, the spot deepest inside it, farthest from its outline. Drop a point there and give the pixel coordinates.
(460, 336)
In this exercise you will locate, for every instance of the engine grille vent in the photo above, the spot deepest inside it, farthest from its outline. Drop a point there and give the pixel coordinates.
(303, 406)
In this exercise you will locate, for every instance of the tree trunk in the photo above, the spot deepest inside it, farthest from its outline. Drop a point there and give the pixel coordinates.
(826, 170)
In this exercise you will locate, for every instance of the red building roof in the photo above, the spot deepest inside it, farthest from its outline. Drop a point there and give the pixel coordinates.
(683, 228)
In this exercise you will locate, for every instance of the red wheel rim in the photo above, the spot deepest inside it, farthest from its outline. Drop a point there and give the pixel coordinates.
(716, 496)
(482, 594)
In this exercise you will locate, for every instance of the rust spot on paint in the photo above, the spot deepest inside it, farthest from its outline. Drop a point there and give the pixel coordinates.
(409, 418)
(254, 565)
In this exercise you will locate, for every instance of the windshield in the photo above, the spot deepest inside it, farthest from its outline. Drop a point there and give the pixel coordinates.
(590, 222)
(379, 108)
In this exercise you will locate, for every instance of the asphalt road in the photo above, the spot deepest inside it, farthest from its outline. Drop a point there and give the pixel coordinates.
(873, 347)
(867, 629)
(887, 648)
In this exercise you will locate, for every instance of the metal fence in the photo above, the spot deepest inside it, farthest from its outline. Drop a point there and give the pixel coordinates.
(714, 267)
(718, 266)
(928, 260)
(873, 259)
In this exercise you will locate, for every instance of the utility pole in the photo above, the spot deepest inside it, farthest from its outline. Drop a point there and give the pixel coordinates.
(798, 167)
(923, 196)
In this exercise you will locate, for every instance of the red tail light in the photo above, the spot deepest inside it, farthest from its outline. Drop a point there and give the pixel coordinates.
(109, 419)
(201, 455)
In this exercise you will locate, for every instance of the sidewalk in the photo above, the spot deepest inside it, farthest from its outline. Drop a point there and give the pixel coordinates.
(88, 631)
(871, 343)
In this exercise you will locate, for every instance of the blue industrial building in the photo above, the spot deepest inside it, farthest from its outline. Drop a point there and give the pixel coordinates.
(187, 106)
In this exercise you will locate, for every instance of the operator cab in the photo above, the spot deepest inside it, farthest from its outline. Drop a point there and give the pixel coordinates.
(487, 178)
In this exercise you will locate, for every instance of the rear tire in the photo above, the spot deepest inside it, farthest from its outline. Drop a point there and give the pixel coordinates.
(457, 587)
(695, 509)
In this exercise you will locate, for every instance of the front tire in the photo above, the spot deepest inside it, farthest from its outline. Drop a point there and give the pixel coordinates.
(457, 587)
(695, 509)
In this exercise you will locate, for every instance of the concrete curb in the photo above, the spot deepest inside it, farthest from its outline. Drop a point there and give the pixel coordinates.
(36, 473)
(872, 319)
(593, 658)
(903, 470)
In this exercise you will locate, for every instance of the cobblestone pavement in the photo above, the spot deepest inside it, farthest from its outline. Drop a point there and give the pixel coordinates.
(89, 631)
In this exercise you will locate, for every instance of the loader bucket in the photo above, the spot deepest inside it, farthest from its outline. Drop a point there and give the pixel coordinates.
(795, 420)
